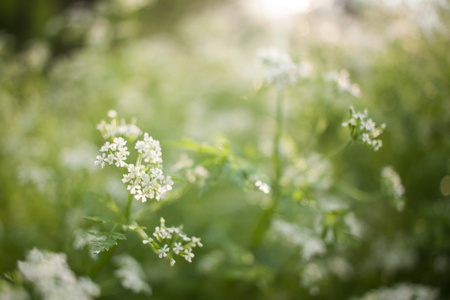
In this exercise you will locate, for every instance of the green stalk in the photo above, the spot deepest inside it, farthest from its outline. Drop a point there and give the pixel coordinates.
(128, 209)
(101, 262)
(276, 155)
(264, 223)
(339, 149)
(104, 258)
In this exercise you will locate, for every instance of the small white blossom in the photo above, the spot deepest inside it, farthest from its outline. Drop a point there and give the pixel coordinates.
(171, 241)
(100, 160)
(163, 251)
(189, 255)
(264, 187)
(177, 248)
(363, 129)
(196, 241)
(112, 113)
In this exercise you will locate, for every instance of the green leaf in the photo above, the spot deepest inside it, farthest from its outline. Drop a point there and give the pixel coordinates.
(105, 240)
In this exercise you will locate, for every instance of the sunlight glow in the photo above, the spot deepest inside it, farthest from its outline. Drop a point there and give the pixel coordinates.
(275, 9)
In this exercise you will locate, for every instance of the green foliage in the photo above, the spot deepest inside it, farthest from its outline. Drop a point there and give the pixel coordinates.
(105, 240)
(287, 202)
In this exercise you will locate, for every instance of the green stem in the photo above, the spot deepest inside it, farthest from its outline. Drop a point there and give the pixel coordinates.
(104, 258)
(276, 155)
(264, 223)
(128, 209)
(101, 262)
(340, 148)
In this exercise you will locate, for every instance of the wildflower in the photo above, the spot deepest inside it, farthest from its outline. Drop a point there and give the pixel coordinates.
(171, 241)
(342, 80)
(131, 275)
(53, 279)
(281, 70)
(145, 179)
(264, 187)
(177, 248)
(163, 251)
(189, 255)
(196, 241)
(363, 129)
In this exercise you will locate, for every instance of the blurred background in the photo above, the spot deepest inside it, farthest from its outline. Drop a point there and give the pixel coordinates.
(357, 225)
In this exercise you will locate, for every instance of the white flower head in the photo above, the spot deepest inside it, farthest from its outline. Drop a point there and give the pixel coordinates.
(171, 241)
(363, 129)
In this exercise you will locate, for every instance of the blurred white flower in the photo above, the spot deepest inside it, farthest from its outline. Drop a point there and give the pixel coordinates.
(281, 71)
(342, 80)
(53, 279)
(402, 291)
(392, 187)
(131, 275)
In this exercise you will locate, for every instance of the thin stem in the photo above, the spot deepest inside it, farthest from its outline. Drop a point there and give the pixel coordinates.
(128, 209)
(339, 149)
(276, 155)
(265, 220)
(101, 262)
(104, 258)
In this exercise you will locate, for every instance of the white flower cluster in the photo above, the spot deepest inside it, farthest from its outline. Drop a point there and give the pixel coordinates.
(172, 241)
(131, 275)
(393, 187)
(281, 70)
(114, 129)
(403, 291)
(363, 129)
(53, 279)
(145, 179)
(113, 153)
(342, 79)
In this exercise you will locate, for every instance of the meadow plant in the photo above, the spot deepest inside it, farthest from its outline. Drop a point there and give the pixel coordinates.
(49, 274)
(277, 221)
(145, 180)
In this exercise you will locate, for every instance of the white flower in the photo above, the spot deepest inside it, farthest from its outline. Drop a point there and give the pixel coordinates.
(196, 241)
(112, 113)
(264, 187)
(163, 251)
(172, 241)
(189, 255)
(100, 160)
(363, 129)
(178, 248)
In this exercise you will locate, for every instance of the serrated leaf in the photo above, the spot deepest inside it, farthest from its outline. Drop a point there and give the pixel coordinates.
(105, 240)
